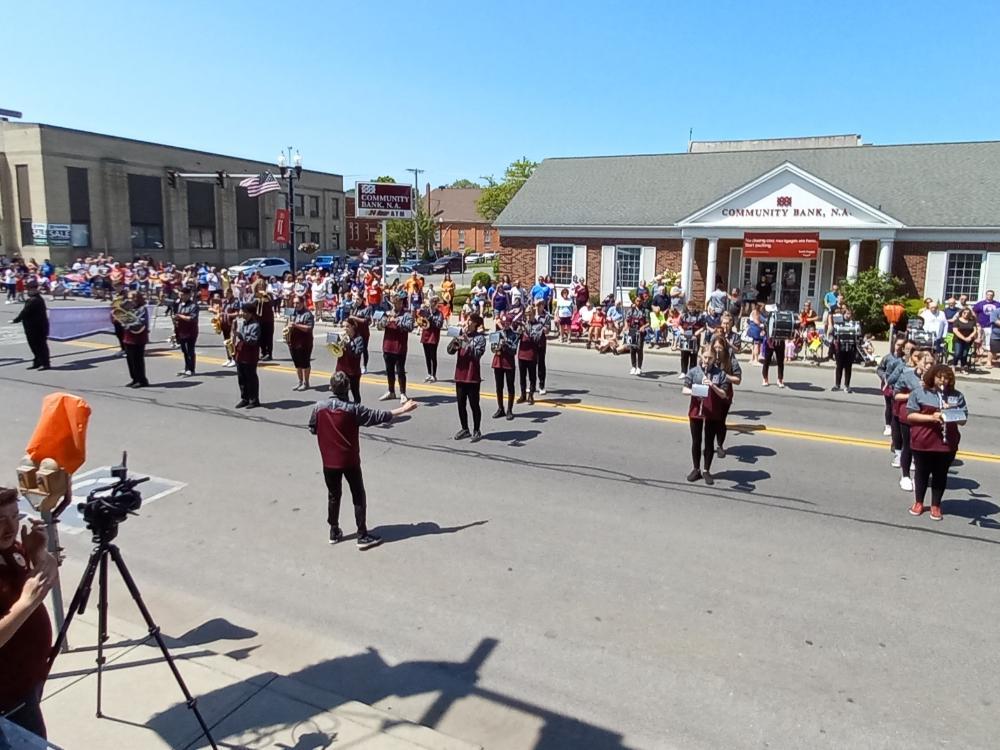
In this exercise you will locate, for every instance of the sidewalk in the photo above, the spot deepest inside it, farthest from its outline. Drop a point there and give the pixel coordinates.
(244, 708)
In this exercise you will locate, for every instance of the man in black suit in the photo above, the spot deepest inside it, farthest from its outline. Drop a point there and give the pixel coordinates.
(35, 320)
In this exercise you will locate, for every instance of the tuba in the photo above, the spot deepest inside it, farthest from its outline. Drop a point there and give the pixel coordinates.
(125, 317)
(217, 323)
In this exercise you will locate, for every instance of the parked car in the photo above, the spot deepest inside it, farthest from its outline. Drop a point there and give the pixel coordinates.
(423, 267)
(489, 257)
(266, 267)
(451, 262)
(473, 258)
(324, 262)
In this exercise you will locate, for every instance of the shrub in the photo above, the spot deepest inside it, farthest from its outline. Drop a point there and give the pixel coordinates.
(481, 276)
(867, 294)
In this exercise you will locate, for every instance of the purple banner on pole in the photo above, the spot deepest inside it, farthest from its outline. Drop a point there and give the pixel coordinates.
(67, 323)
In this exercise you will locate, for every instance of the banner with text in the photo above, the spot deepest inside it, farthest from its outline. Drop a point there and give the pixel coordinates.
(281, 228)
(802, 245)
(383, 200)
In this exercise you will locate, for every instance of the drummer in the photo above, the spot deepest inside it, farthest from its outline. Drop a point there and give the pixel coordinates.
(780, 326)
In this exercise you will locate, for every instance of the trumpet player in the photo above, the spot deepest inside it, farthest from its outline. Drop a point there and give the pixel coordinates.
(186, 329)
(265, 317)
(361, 315)
(247, 354)
(300, 342)
(430, 320)
(398, 325)
(504, 366)
(349, 362)
(543, 323)
(469, 346)
(527, 356)
(135, 337)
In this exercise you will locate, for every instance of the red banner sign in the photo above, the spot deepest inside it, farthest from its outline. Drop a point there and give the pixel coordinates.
(804, 245)
(281, 228)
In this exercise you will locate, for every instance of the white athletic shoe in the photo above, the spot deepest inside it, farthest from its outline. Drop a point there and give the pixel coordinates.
(403, 398)
(364, 370)
(906, 484)
(887, 431)
(896, 461)
(631, 371)
(681, 375)
(541, 391)
(387, 396)
(638, 371)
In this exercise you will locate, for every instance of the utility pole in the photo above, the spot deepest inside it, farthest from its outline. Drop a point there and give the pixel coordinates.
(416, 199)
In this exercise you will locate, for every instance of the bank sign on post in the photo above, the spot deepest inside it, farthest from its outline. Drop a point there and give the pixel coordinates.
(383, 200)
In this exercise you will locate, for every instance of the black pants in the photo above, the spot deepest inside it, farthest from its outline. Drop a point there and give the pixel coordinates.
(11, 292)
(635, 355)
(888, 409)
(335, 491)
(688, 360)
(364, 356)
(845, 363)
(120, 335)
(897, 432)
(395, 366)
(540, 363)
(431, 359)
(468, 398)
(39, 346)
(529, 375)
(267, 338)
(721, 430)
(930, 469)
(29, 715)
(135, 358)
(710, 428)
(501, 377)
(905, 455)
(355, 385)
(776, 350)
(246, 376)
(187, 349)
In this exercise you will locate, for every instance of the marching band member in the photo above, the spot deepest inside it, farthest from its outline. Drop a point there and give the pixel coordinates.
(934, 412)
(542, 323)
(265, 317)
(349, 362)
(886, 365)
(907, 381)
(430, 337)
(398, 325)
(229, 312)
(335, 424)
(135, 339)
(705, 414)
(844, 348)
(773, 348)
(121, 298)
(503, 368)
(35, 322)
(691, 322)
(469, 347)
(300, 342)
(636, 324)
(361, 314)
(247, 339)
(726, 357)
(892, 372)
(186, 329)
(527, 358)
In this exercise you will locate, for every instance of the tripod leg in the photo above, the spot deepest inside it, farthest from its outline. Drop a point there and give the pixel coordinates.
(79, 601)
(154, 630)
(102, 625)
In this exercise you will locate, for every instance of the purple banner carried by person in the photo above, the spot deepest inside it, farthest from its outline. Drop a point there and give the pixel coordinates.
(68, 323)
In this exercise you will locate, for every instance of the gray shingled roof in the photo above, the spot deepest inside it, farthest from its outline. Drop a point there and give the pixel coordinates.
(926, 185)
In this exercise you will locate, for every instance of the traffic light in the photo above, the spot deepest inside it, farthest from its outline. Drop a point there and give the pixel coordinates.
(172, 178)
(220, 179)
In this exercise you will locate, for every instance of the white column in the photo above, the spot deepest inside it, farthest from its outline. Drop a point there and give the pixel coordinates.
(853, 259)
(687, 262)
(713, 263)
(885, 256)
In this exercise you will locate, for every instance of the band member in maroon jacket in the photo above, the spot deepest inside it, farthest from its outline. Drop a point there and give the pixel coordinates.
(527, 358)
(247, 339)
(469, 346)
(934, 411)
(265, 317)
(543, 321)
(361, 316)
(229, 312)
(908, 380)
(349, 362)
(335, 424)
(504, 365)
(300, 342)
(395, 338)
(135, 338)
(706, 412)
(430, 337)
(186, 330)
(725, 356)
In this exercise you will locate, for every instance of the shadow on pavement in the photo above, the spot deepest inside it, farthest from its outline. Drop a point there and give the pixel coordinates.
(978, 511)
(750, 454)
(368, 678)
(401, 531)
(742, 479)
(750, 414)
(513, 438)
(536, 416)
(803, 387)
(289, 403)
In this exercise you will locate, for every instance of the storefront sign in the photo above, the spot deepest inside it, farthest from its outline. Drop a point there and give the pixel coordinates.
(804, 245)
(39, 234)
(60, 234)
(383, 200)
(281, 228)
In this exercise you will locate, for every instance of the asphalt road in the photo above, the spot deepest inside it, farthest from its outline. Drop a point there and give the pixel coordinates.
(559, 584)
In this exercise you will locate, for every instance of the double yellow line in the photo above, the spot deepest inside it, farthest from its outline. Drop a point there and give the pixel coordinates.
(786, 432)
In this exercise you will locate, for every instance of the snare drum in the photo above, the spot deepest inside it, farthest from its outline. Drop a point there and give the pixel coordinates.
(686, 342)
(781, 325)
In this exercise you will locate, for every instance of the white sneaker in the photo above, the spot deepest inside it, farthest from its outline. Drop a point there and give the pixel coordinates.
(541, 391)
(906, 484)
(403, 398)
(896, 461)
(681, 375)
(631, 371)
(887, 431)
(188, 373)
(387, 396)
(638, 371)
(780, 384)
(364, 370)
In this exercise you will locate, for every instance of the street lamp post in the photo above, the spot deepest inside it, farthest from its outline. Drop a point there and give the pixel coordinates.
(291, 175)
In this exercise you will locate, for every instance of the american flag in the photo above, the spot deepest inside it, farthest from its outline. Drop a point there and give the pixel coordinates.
(262, 183)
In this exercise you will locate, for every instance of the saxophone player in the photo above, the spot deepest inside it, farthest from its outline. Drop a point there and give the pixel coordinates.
(135, 337)
(349, 362)
(265, 318)
(469, 346)
(394, 343)
(229, 313)
(430, 336)
(300, 342)
(247, 339)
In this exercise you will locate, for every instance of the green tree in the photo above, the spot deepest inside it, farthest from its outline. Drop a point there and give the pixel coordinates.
(496, 196)
(463, 183)
(867, 294)
(384, 179)
(400, 232)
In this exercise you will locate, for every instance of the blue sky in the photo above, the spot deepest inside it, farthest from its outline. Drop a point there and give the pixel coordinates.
(460, 89)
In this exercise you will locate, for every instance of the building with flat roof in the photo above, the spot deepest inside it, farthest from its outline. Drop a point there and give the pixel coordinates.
(66, 193)
(805, 216)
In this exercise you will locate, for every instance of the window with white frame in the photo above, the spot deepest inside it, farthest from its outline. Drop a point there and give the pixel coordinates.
(561, 264)
(628, 265)
(963, 274)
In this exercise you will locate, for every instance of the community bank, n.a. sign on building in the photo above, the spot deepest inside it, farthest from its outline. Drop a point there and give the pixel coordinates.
(801, 213)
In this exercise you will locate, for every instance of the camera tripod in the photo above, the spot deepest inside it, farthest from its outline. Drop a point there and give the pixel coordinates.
(98, 565)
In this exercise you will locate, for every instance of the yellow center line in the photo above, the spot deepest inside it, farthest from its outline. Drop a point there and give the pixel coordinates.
(786, 432)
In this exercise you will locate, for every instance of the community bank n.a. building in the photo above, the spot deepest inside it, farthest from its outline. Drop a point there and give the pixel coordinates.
(805, 213)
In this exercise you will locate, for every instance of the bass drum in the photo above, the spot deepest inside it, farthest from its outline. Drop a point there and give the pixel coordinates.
(781, 325)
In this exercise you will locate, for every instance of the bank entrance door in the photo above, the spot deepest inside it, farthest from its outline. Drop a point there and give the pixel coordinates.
(780, 282)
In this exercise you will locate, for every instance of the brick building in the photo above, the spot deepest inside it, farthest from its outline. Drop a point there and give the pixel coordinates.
(66, 193)
(460, 227)
(362, 234)
(803, 212)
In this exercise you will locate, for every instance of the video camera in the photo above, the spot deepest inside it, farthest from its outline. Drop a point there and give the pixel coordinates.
(106, 507)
